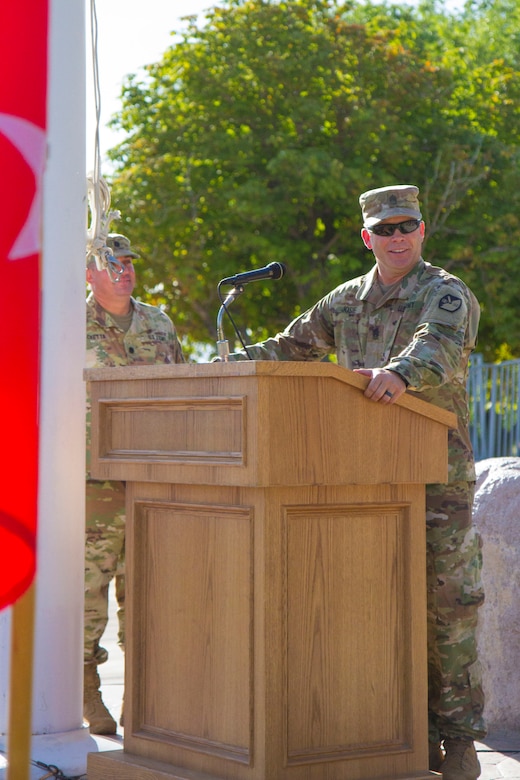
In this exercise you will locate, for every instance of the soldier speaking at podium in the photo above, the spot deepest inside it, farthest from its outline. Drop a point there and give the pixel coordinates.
(408, 325)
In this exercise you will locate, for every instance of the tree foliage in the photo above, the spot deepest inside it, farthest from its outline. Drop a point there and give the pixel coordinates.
(253, 137)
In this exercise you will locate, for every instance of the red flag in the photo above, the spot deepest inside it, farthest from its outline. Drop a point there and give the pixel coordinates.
(23, 111)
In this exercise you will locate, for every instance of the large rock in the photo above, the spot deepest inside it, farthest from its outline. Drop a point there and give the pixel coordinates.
(497, 517)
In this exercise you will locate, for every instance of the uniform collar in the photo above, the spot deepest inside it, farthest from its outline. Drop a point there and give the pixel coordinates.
(371, 291)
(101, 315)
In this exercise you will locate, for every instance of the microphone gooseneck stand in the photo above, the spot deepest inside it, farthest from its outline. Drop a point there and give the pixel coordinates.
(222, 342)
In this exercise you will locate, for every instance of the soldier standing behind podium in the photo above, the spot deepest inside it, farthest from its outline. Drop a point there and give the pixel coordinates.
(407, 324)
(120, 332)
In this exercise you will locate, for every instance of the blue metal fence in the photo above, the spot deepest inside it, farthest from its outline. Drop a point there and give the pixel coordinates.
(494, 402)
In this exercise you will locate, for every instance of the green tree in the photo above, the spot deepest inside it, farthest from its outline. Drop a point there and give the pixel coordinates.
(251, 140)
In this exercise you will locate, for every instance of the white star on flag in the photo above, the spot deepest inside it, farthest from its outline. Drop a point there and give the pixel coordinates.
(31, 143)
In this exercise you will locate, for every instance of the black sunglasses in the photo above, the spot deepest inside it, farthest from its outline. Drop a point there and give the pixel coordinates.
(387, 229)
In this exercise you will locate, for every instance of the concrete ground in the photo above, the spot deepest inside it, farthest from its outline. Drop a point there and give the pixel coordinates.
(499, 755)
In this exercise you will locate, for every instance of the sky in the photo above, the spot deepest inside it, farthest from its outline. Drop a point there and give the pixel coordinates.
(130, 35)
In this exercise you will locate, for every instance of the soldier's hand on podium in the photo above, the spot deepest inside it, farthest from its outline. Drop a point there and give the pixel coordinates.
(385, 386)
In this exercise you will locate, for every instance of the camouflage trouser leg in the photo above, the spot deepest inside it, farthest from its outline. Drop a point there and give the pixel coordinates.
(120, 598)
(454, 563)
(104, 557)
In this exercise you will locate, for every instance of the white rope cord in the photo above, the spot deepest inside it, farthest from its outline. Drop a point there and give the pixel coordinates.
(97, 188)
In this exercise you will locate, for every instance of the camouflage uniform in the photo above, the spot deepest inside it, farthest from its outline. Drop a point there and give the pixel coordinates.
(424, 328)
(151, 338)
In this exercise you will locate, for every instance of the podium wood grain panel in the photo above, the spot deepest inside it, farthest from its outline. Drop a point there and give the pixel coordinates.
(348, 571)
(273, 631)
(197, 596)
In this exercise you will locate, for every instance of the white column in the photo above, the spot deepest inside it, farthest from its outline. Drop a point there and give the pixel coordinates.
(59, 737)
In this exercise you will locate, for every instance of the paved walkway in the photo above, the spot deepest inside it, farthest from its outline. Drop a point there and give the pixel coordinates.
(499, 755)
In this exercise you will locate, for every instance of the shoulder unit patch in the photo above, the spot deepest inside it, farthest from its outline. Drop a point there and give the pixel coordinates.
(450, 303)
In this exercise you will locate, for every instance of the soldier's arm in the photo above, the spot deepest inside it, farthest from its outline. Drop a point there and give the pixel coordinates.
(435, 353)
(308, 337)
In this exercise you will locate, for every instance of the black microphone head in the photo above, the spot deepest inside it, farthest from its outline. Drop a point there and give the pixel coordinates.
(278, 270)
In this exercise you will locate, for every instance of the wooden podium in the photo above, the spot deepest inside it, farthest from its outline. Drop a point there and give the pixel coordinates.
(276, 596)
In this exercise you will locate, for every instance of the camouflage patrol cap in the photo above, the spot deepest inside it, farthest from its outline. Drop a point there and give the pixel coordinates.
(398, 201)
(120, 245)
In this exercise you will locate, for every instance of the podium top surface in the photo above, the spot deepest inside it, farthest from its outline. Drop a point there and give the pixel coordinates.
(259, 423)
(262, 368)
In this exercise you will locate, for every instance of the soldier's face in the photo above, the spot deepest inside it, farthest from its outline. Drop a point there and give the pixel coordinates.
(397, 254)
(102, 285)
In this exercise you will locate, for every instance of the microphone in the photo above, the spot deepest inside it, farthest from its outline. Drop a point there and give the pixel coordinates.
(271, 271)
